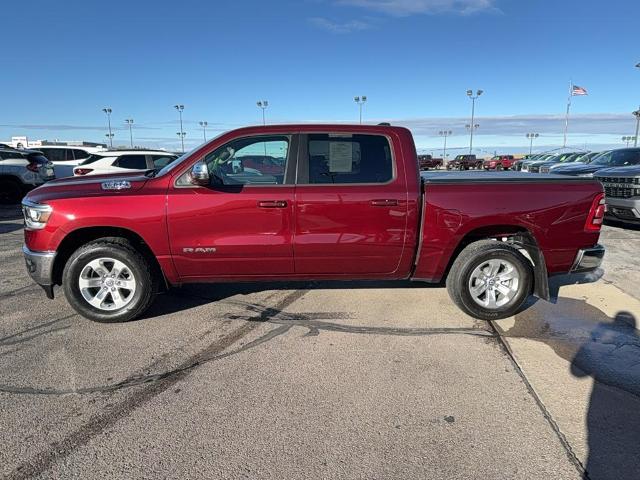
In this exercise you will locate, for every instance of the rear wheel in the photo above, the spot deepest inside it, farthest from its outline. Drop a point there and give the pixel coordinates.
(490, 280)
(499, 167)
(11, 191)
(108, 281)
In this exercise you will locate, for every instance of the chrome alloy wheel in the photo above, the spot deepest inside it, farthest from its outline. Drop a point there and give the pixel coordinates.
(107, 284)
(494, 283)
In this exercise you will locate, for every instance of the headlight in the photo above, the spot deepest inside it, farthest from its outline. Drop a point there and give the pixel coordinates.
(36, 215)
(590, 175)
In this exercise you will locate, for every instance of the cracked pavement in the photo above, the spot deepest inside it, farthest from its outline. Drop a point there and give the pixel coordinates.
(321, 380)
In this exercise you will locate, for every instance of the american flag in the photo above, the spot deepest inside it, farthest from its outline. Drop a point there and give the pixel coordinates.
(576, 90)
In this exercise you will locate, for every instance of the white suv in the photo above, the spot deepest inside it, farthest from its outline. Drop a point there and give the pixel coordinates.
(65, 158)
(20, 171)
(120, 161)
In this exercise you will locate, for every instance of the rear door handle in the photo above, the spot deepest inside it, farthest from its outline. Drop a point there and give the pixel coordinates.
(272, 204)
(385, 202)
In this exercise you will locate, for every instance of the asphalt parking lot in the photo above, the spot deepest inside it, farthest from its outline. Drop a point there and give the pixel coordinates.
(323, 380)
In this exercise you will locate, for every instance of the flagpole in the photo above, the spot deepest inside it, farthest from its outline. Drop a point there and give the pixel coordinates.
(566, 118)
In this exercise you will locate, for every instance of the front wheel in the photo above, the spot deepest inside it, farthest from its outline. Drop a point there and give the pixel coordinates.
(490, 280)
(108, 280)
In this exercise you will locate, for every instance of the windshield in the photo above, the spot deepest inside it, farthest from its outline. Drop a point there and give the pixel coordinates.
(603, 159)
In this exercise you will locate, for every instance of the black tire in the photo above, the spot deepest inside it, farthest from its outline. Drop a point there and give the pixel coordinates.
(119, 249)
(11, 191)
(473, 256)
(499, 168)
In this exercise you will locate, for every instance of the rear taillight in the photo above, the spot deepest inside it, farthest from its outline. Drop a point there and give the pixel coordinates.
(82, 171)
(33, 167)
(596, 214)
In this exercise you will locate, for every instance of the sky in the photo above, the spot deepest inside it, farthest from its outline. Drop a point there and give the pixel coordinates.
(413, 59)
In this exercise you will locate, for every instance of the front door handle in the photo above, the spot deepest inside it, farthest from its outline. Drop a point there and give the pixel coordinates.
(385, 202)
(272, 204)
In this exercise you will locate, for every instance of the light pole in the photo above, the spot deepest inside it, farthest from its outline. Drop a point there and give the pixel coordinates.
(531, 136)
(129, 121)
(263, 104)
(107, 110)
(181, 134)
(473, 126)
(637, 115)
(204, 130)
(628, 139)
(445, 134)
(360, 101)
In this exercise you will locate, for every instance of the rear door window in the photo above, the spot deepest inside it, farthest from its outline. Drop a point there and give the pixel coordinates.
(55, 154)
(80, 154)
(161, 161)
(348, 159)
(133, 162)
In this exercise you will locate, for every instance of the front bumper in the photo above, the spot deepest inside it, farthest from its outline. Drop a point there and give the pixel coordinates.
(588, 259)
(40, 268)
(624, 209)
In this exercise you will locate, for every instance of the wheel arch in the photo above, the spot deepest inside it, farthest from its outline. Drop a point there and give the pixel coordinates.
(81, 236)
(517, 236)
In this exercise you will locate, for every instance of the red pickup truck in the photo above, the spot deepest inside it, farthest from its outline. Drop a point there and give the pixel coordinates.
(499, 162)
(349, 204)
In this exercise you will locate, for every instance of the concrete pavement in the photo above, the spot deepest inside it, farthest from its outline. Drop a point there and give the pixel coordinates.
(317, 380)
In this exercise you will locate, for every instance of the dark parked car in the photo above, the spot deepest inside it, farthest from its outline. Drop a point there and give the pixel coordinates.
(613, 158)
(520, 164)
(427, 162)
(535, 166)
(464, 162)
(545, 166)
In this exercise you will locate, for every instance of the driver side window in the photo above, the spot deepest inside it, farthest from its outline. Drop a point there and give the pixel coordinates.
(249, 161)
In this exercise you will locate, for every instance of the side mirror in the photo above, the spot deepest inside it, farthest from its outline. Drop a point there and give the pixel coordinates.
(199, 174)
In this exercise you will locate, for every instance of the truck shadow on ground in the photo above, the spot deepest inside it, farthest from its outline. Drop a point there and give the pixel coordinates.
(608, 350)
(197, 294)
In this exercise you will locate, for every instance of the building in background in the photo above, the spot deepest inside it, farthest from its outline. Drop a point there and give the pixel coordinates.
(25, 142)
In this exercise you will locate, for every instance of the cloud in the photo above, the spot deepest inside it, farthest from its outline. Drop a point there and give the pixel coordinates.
(64, 127)
(340, 27)
(403, 8)
(519, 125)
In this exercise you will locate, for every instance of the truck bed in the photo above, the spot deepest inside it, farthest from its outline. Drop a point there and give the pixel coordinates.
(479, 176)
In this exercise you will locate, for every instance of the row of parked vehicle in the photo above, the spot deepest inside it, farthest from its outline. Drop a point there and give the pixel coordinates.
(618, 170)
(24, 169)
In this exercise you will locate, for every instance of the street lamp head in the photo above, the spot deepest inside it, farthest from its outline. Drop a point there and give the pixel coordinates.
(480, 92)
(356, 99)
(364, 98)
(179, 107)
(638, 65)
(470, 93)
(637, 113)
(106, 110)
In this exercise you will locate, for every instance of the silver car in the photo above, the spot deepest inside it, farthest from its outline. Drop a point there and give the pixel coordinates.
(21, 171)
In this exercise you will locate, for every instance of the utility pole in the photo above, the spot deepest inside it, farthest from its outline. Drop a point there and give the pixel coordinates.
(129, 121)
(473, 126)
(108, 110)
(531, 136)
(445, 134)
(181, 134)
(263, 104)
(637, 115)
(204, 130)
(360, 101)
